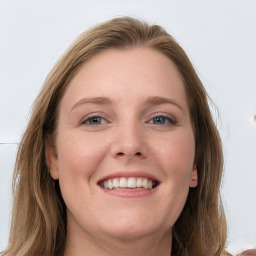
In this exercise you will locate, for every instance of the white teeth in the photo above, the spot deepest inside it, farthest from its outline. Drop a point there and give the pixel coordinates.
(139, 183)
(131, 183)
(116, 183)
(150, 184)
(110, 185)
(105, 184)
(123, 183)
(145, 183)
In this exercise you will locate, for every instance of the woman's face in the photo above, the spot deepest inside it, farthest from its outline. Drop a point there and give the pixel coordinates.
(125, 149)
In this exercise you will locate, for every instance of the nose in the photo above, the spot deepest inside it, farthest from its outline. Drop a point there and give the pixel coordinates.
(129, 142)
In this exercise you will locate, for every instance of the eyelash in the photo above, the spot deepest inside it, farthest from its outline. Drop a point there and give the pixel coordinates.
(88, 119)
(169, 120)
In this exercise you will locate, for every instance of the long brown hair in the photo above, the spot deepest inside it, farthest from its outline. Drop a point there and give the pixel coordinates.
(39, 213)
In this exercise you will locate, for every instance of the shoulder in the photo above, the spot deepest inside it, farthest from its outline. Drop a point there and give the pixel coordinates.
(251, 252)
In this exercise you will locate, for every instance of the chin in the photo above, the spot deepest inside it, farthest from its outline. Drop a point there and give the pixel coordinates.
(130, 232)
(132, 227)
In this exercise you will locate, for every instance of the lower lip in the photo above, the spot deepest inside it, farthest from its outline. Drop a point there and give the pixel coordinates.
(130, 193)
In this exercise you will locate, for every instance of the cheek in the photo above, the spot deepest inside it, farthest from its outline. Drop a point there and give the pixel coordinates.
(79, 156)
(176, 160)
(176, 154)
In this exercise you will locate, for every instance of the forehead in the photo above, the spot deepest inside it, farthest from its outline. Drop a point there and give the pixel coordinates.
(140, 71)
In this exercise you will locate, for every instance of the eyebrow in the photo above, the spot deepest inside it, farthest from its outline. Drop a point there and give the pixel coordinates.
(162, 100)
(94, 100)
(155, 100)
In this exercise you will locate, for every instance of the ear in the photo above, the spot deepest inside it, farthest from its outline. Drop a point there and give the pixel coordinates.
(51, 157)
(194, 178)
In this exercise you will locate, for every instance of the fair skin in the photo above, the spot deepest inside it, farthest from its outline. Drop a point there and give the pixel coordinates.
(124, 116)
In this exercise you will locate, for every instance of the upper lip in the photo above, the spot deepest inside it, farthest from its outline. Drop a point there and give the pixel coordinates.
(128, 174)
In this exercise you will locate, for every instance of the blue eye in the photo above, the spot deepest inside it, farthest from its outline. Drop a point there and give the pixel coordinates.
(162, 120)
(94, 120)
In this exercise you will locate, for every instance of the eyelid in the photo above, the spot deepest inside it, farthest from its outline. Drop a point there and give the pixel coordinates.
(173, 120)
(94, 114)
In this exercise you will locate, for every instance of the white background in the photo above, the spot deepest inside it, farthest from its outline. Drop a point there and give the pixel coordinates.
(219, 37)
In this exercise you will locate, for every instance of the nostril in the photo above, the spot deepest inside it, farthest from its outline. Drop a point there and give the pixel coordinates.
(136, 154)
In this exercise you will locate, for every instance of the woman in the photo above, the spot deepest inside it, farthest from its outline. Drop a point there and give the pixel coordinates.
(121, 155)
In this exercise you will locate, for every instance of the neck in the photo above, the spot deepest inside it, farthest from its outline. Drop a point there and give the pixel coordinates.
(150, 245)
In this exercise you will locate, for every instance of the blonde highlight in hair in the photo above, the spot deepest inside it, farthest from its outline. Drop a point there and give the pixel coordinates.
(39, 213)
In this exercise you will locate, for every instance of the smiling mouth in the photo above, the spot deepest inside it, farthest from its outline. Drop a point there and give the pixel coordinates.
(128, 183)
